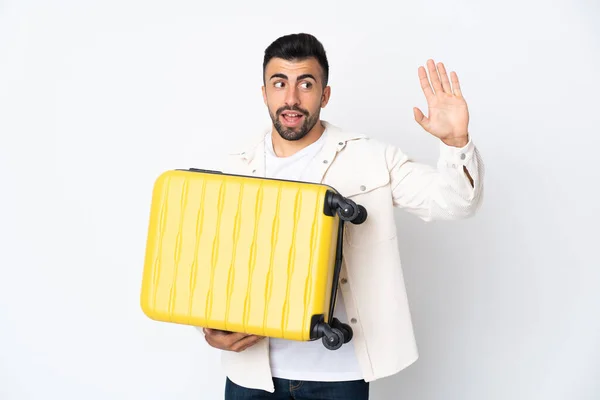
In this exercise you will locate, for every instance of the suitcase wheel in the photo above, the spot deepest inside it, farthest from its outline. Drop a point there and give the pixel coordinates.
(334, 339)
(345, 328)
(346, 331)
(346, 209)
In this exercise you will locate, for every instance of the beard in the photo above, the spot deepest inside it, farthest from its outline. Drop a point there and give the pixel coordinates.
(293, 134)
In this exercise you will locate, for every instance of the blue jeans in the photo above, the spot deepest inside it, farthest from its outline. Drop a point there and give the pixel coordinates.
(301, 390)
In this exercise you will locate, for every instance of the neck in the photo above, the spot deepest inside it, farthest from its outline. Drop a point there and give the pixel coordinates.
(286, 148)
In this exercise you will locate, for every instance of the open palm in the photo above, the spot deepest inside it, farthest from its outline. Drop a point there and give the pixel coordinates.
(448, 115)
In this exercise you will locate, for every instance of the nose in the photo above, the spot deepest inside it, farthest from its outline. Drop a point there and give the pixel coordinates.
(291, 96)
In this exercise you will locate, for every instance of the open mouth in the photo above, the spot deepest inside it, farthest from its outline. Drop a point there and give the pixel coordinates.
(292, 118)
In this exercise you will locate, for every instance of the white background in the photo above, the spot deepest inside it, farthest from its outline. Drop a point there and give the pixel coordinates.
(98, 97)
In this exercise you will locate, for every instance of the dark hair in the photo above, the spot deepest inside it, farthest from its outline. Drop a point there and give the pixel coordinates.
(298, 46)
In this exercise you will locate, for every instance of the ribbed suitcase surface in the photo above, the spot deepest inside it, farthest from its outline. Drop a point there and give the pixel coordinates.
(239, 253)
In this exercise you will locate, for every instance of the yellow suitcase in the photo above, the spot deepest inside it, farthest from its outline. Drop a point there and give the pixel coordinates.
(246, 254)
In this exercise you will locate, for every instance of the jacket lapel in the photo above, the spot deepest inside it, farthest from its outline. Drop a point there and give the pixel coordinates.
(251, 160)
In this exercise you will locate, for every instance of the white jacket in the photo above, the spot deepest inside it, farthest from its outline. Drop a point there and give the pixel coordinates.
(380, 177)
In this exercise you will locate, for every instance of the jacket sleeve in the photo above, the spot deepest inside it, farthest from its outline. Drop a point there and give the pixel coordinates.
(444, 192)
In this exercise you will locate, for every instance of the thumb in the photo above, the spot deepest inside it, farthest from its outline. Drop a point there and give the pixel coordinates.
(420, 118)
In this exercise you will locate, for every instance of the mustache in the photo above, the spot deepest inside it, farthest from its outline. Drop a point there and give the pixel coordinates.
(294, 108)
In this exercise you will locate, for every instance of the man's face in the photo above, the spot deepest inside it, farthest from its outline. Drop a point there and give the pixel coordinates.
(294, 95)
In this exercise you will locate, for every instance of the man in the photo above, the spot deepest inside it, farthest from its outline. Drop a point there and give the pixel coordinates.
(301, 146)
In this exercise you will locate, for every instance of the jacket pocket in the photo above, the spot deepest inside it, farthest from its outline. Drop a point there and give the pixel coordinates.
(360, 173)
(369, 188)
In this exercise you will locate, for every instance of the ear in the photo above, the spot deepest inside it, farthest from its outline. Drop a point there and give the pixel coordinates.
(264, 93)
(325, 96)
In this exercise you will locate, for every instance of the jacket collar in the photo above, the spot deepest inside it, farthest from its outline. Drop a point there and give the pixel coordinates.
(253, 156)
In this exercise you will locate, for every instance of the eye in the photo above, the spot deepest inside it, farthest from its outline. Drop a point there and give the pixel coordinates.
(306, 85)
(278, 84)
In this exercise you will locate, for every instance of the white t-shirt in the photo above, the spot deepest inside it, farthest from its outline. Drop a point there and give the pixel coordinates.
(296, 360)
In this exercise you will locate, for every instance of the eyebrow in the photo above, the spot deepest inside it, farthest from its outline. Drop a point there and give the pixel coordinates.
(303, 76)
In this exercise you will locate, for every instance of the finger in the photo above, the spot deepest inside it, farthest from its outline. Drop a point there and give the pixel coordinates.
(433, 76)
(455, 85)
(425, 83)
(220, 342)
(232, 338)
(251, 344)
(212, 332)
(222, 339)
(444, 76)
(246, 342)
(246, 345)
(420, 118)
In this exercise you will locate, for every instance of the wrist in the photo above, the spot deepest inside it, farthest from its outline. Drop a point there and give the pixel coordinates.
(459, 142)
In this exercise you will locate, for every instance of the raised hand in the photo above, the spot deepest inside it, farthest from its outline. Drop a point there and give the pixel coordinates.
(448, 115)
